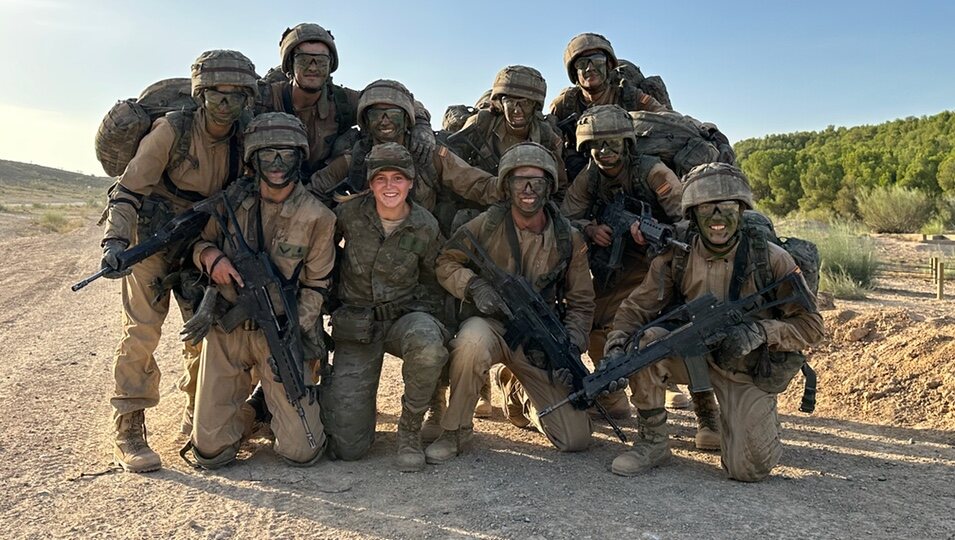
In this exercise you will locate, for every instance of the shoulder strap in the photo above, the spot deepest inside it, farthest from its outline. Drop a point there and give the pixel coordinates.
(740, 265)
(181, 122)
(640, 167)
(344, 114)
(287, 99)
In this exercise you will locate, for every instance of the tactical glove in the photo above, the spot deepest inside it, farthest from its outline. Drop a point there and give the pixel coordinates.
(622, 382)
(198, 326)
(112, 248)
(741, 339)
(486, 299)
(563, 376)
(536, 358)
(422, 142)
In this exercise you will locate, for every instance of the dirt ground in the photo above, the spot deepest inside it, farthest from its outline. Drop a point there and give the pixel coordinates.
(876, 460)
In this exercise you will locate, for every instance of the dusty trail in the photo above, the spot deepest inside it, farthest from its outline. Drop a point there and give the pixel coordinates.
(857, 475)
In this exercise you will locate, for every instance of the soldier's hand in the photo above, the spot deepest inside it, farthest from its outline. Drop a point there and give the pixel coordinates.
(564, 377)
(422, 142)
(486, 299)
(636, 234)
(619, 384)
(537, 358)
(602, 235)
(112, 248)
(742, 339)
(220, 267)
(198, 326)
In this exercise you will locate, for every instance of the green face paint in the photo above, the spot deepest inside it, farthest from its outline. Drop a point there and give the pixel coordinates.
(592, 71)
(517, 111)
(528, 193)
(386, 124)
(224, 108)
(607, 153)
(310, 70)
(718, 223)
(278, 166)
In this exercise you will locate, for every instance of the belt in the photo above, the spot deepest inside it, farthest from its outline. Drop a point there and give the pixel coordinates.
(250, 325)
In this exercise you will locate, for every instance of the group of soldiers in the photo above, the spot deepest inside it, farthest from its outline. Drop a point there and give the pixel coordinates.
(372, 226)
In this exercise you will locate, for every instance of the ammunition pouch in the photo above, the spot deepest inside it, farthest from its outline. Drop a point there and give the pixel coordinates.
(775, 370)
(154, 214)
(357, 324)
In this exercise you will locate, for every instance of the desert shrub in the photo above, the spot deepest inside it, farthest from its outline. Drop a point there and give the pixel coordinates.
(841, 285)
(895, 209)
(54, 221)
(846, 253)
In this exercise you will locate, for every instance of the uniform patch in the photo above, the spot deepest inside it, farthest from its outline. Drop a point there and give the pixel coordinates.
(291, 251)
(413, 244)
(442, 150)
(664, 188)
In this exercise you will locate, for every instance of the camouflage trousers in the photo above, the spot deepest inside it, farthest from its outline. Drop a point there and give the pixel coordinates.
(136, 375)
(479, 345)
(749, 426)
(224, 383)
(348, 394)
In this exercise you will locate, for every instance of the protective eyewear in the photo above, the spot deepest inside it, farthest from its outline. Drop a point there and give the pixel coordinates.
(268, 156)
(710, 208)
(583, 62)
(509, 101)
(537, 183)
(375, 115)
(305, 60)
(229, 99)
(610, 145)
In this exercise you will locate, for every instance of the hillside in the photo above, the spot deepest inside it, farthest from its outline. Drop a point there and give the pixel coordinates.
(22, 183)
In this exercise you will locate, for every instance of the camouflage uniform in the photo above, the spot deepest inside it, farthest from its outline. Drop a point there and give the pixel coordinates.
(438, 175)
(575, 99)
(151, 191)
(644, 178)
(479, 343)
(329, 121)
(389, 297)
(749, 427)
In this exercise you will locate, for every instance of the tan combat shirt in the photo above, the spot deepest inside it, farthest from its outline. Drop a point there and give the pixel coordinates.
(298, 230)
(795, 330)
(204, 170)
(452, 173)
(539, 256)
(377, 268)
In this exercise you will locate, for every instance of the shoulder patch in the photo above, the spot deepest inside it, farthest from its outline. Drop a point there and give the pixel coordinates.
(291, 251)
(442, 150)
(664, 188)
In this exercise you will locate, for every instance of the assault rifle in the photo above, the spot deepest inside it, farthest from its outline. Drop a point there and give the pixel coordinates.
(605, 261)
(532, 322)
(184, 226)
(261, 283)
(704, 322)
(486, 160)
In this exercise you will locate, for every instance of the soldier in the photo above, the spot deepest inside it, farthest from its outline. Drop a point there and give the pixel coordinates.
(591, 66)
(389, 298)
(385, 113)
(279, 216)
(714, 196)
(517, 99)
(152, 189)
(309, 57)
(605, 133)
(529, 237)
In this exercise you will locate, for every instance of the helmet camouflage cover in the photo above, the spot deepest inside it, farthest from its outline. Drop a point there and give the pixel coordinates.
(304, 33)
(223, 67)
(587, 42)
(274, 130)
(520, 81)
(602, 122)
(385, 92)
(526, 154)
(389, 156)
(713, 182)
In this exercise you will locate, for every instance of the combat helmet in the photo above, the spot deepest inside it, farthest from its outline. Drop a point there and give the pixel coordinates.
(275, 129)
(304, 33)
(604, 122)
(587, 42)
(713, 182)
(385, 92)
(389, 156)
(483, 102)
(223, 67)
(520, 81)
(526, 154)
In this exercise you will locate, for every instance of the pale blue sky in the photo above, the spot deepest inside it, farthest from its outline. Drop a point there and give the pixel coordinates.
(751, 67)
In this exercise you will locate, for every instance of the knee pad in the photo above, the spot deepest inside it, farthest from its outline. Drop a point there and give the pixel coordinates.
(223, 458)
(309, 462)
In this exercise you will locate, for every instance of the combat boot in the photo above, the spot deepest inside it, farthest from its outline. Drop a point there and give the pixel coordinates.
(707, 421)
(449, 445)
(675, 398)
(649, 450)
(431, 429)
(130, 449)
(410, 456)
(506, 384)
(483, 409)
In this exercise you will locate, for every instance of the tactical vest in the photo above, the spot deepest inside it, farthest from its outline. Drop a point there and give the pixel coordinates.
(639, 171)
(475, 145)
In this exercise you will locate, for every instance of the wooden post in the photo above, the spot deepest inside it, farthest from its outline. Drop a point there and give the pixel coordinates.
(933, 262)
(940, 292)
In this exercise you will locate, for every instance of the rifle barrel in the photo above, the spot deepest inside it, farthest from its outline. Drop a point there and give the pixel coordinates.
(80, 284)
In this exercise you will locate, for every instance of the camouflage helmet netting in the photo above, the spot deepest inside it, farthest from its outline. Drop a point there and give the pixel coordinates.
(604, 122)
(274, 130)
(586, 42)
(526, 154)
(223, 67)
(385, 92)
(389, 156)
(520, 81)
(712, 182)
(304, 33)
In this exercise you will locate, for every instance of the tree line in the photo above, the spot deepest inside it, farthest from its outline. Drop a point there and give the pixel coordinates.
(828, 169)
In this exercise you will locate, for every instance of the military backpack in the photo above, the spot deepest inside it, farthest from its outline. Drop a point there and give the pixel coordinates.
(682, 142)
(129, 120)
